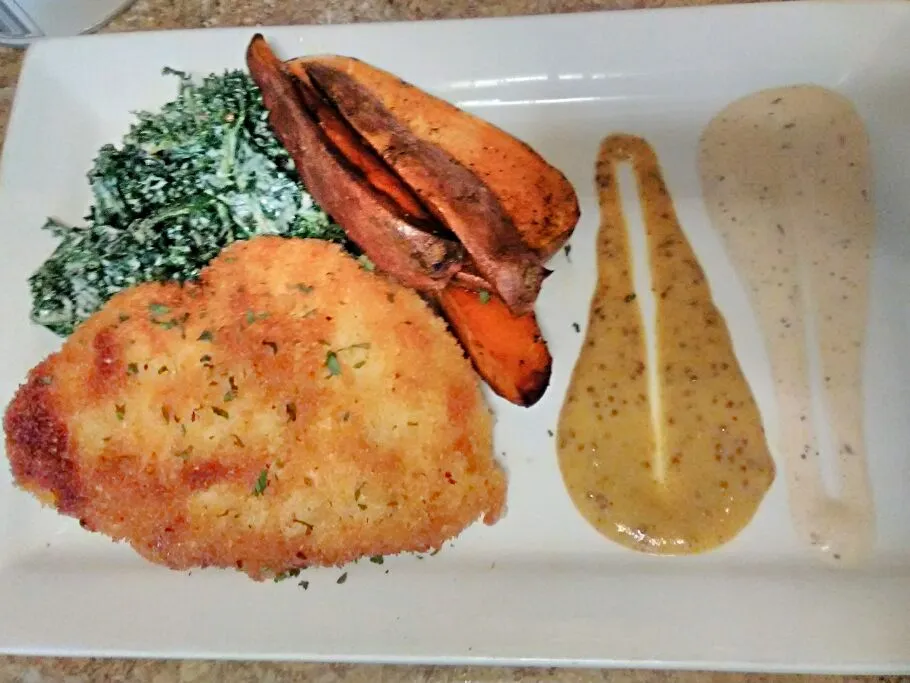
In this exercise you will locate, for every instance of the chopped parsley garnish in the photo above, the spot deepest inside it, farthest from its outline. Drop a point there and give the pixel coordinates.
(377, 559)
(220, 412)
(341, 579)
(484, 296)
(262, 482)
(304, 584)
(231, 393)
(332, 364)
(171, 323)
(309, 527)
(289, 574)
(366, 263)
(301, 287)
(120, 411)
(252, 316)
(132, 369)
(629, 298)
(206, 336)
(159, 309)
(187, 180)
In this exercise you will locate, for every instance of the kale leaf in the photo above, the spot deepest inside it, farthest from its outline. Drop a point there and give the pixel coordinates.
(188, 180)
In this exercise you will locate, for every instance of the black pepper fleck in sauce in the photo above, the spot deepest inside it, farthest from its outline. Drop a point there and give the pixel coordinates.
(645, 474)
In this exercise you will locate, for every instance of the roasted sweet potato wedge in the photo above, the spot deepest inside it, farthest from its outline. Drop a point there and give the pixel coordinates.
(539, 199)
(349, 143)
(507, 350)
(375, 223)
(451, 191)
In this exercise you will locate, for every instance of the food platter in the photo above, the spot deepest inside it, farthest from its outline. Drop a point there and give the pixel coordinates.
(541, 586)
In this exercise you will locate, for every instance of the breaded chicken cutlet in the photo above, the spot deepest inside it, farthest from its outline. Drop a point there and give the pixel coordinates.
(289, 409)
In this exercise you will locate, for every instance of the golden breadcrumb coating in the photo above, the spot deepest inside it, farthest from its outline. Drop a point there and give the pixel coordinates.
(289, 409)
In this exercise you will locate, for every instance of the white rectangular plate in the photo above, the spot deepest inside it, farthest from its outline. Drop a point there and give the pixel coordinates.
(541, 586)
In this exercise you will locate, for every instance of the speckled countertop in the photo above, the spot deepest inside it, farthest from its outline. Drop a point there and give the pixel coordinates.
(166, 14)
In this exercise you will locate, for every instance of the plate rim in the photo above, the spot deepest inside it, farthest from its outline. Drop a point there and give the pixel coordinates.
(39, 47)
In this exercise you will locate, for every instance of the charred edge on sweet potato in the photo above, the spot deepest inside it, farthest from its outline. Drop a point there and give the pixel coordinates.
(352, 146)
(452, 193)
(537, 196)
(417, 259)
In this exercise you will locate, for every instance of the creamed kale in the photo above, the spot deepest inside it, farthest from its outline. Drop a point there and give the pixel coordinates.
(187, 180)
